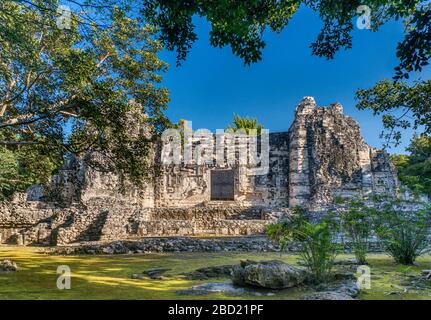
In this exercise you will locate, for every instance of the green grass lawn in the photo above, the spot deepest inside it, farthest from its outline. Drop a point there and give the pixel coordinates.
(109, 277)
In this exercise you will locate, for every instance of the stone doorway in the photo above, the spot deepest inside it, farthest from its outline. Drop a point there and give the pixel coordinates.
(222, 185)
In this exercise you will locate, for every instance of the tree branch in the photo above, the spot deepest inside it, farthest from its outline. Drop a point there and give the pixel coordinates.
(16, 143)
(32, 118)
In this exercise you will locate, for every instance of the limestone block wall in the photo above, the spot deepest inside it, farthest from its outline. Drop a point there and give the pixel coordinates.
(274, 186)
(15, 217)
(78, 182)
(197, 221)
(99, 219)
(190, 185)
(384, 177)
(106, 219)
(299, 166)
(183, 186)
(329, 158)
(190, 228)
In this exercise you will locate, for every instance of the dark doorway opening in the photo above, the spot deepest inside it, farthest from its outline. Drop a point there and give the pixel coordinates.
(222, 185)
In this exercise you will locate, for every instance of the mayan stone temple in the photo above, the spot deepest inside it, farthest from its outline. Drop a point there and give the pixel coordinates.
(322, 156)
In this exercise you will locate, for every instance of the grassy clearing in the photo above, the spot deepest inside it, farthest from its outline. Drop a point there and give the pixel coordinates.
(108, 277)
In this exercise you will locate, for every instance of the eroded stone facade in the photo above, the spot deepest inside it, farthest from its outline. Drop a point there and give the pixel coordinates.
(321, 157)
(329, 158)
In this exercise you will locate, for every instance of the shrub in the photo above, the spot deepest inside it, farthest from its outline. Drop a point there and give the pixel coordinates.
(357, 225)
(315, 241)
(249, 125)
(404, 230)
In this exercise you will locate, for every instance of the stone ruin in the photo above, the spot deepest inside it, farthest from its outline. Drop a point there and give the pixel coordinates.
(321, 157)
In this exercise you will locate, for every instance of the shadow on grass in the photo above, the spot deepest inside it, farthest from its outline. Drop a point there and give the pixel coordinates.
(109, 277)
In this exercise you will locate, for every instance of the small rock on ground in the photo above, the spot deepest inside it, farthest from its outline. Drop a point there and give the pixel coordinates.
(155, 273)
(138, 276)
(8, 266)
(228, 289)
(210, 272)
(328, 295)
(345, 261)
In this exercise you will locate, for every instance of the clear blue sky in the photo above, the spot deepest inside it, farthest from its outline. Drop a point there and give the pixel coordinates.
(212, 83)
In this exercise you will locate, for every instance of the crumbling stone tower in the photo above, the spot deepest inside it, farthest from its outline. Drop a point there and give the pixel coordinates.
(329, 158)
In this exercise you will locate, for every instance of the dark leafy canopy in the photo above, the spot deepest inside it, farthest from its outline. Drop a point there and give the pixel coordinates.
(420, 148)
(414, 170)
(21, 167)
(415, 51)
(78, 89)
(241, 24)
(401, 105)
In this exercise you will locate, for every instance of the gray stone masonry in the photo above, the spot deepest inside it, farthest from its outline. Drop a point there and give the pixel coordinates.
(322, 156)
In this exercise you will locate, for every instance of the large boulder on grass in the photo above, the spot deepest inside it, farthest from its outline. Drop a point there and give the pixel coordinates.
(8, 266)
(272, 274)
